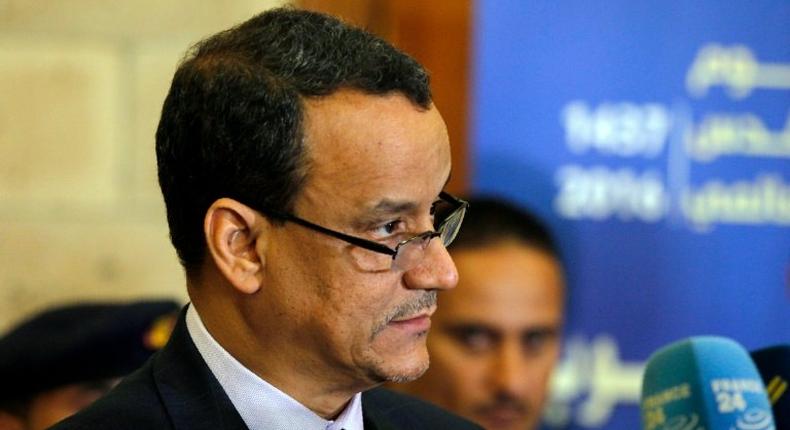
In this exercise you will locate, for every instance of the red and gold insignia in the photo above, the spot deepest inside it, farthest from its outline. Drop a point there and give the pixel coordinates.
(157, 335)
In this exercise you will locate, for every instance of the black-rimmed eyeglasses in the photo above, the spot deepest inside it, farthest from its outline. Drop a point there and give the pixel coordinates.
(448, 215)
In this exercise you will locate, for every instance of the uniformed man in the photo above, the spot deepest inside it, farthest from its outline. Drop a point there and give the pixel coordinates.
(61, 360)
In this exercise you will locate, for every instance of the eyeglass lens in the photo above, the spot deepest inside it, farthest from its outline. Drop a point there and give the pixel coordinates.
(410, 253)
(447, 222)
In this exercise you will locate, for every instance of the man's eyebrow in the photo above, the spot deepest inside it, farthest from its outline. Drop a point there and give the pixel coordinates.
(460, 326)
(384, 208)
(542, 330)
(461, 330)
(387, 206)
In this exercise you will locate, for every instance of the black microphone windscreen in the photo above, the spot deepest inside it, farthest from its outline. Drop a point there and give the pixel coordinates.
(773, 363)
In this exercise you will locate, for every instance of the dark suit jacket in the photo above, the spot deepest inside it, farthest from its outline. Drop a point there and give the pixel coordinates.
(176, 390)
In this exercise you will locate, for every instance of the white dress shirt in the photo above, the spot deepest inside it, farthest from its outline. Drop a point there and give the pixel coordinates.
(261, 405)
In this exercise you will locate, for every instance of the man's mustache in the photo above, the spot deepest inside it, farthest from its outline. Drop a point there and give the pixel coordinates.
(412, 307)
(503, 401)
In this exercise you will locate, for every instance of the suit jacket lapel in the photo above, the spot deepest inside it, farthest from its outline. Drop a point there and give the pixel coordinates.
(190, 392)
(374, 418)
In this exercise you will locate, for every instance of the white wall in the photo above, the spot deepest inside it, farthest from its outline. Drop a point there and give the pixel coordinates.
(81, 87)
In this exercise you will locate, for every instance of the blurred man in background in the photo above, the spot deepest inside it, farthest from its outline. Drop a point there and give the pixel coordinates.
(60, 361)
(496, 338)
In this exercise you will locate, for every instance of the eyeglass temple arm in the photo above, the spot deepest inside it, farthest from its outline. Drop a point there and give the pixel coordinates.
(363, 243)
(368, 244)
(447, 196)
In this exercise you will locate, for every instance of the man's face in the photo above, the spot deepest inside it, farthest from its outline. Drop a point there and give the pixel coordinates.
(57, 404)
(496, 337)
(376, 166)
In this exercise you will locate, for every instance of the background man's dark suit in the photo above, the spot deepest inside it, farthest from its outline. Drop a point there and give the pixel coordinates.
(176, 390)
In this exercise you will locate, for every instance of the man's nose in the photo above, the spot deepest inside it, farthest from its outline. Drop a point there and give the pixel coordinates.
(509, 369)
(436, 271)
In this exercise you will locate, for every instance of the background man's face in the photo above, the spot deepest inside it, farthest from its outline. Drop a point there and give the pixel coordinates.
(377, 164)
(496, 339)
(52, 406)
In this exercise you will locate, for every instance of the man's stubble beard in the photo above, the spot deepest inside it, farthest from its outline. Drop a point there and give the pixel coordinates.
(377, 371)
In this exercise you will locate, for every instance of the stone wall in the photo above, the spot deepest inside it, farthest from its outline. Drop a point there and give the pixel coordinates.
(81, 87)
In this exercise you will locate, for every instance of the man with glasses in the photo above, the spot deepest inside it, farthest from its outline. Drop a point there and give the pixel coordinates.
(302, 164)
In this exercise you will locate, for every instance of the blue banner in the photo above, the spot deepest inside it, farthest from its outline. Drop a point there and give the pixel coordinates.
(655, 138)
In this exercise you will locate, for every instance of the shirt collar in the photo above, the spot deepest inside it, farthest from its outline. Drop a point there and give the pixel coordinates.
(260, 404)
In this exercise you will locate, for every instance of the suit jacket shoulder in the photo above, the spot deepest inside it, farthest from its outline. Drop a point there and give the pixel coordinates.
(174, 390)
(384, 410)
(133, 404)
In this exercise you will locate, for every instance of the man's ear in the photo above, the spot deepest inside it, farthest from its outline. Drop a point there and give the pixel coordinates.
(236, 236)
